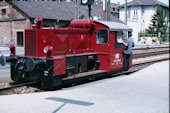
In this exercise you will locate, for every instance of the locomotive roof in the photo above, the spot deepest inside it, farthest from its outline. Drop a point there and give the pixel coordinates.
(115, 26)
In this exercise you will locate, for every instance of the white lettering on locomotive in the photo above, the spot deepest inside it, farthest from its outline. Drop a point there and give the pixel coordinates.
(117, 59)
(46, 73)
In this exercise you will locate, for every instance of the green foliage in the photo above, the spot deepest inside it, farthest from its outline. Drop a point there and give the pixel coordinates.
(158, 24)
(146, 33)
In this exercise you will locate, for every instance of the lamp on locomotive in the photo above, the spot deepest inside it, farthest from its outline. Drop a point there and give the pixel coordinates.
(37, 23)
(49, 51)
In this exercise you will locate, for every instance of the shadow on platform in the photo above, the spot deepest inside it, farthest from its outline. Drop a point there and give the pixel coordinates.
(68, 101)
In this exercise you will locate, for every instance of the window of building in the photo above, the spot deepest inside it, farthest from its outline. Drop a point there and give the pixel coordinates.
(143, 11)
(114, 9)
(135, 15)
(3, 11)
(20, 38)
(135, 12)
(101, 36)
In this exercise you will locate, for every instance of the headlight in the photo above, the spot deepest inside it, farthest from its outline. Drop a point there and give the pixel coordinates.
(45, 50)
(48, 49)
(35, 20)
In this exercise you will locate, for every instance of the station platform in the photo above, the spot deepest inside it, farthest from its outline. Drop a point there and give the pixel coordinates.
(145, 91)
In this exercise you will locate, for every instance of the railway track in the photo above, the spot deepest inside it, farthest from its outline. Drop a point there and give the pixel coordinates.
(135, 67)
(149, 51)
(17, 85)
(26, 86)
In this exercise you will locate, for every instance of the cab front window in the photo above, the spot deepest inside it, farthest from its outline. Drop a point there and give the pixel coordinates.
(101, 36)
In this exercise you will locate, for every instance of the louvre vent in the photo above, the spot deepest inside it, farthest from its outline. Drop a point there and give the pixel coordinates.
(30, 43)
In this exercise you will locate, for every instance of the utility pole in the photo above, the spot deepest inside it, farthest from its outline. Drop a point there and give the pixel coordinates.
(77, 9)
(126, 33)
(89, 7)
(126, 12)
(106, 10)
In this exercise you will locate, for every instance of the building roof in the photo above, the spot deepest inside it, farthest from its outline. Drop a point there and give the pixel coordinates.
(114, 5)
(115, 26)
(57, 10)
(145, 3)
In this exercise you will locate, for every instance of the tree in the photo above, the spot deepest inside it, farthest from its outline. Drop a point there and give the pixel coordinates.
(158, 24)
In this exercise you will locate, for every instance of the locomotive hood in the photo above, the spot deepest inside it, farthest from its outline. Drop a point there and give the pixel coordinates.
(89, 23)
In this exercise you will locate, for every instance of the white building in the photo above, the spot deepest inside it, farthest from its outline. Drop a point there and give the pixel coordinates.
(139, 13)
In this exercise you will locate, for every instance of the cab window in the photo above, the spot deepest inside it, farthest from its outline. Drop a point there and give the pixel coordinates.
(101, 36)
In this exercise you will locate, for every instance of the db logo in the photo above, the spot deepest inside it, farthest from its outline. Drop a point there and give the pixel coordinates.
(116, 55)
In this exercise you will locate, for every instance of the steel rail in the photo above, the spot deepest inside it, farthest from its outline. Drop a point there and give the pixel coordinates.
(17, 85)
(148, 54)
(150, 47)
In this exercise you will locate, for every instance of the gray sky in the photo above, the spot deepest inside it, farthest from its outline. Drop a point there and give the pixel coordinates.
(123, 1)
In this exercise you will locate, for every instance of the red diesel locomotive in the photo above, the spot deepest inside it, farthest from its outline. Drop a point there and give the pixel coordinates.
(81, 49)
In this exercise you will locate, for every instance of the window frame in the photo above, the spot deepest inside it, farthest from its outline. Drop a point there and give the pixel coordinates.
(118, 45)
(3, 10)
(107, 35)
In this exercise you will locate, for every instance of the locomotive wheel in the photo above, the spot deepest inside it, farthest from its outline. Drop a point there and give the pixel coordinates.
(17, 73)
(15, 78)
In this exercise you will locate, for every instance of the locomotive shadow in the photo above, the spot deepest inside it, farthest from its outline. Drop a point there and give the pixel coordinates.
(116, 74)
(68, 101)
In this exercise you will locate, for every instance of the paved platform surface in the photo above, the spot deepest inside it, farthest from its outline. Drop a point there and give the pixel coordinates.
(146, 91)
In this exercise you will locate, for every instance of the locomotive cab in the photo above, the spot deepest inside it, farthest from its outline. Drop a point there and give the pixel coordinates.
(81, 49)
(108, 46)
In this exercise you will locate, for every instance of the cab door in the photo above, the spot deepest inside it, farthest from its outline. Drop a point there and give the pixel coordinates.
(116, 50)
(102, 47)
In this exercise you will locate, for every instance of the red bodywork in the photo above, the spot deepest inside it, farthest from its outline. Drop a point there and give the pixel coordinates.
(77, 38)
